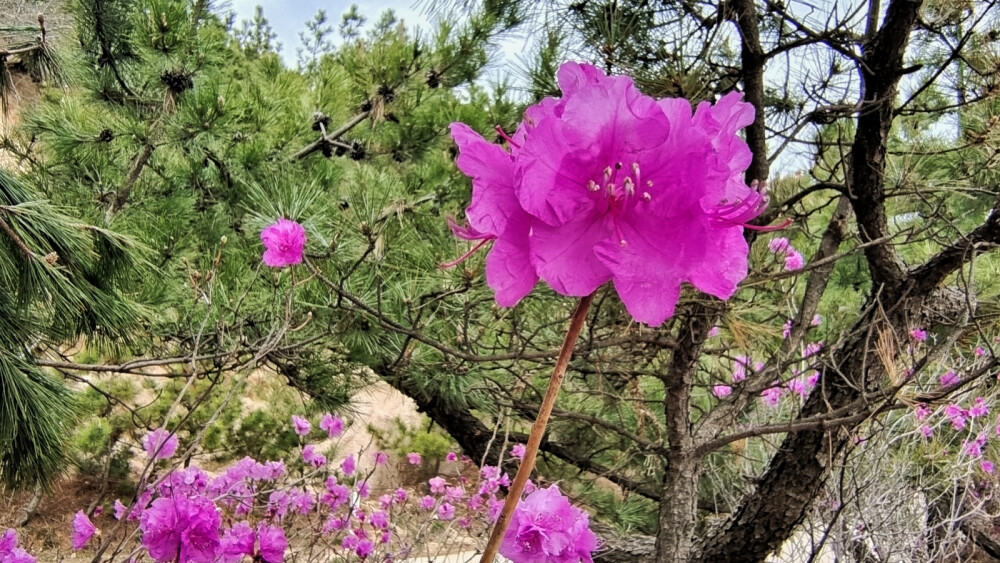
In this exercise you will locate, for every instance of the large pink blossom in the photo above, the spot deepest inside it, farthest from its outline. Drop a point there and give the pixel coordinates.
(284, 243)
(607, 184)
(546, 528)
(181, 529)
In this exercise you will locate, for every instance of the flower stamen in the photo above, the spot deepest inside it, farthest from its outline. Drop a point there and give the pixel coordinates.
(503, 134)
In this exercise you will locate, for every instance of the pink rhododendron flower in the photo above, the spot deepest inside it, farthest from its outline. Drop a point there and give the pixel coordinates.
(778, 245)
(381, 458)
(722, 391)
(237, 541)
(794, 260)
(272, 543)
(517, 451)
(348, 466)
(546, 528)
(9, 550)
(333, 425)
(364, 548)
(83, 530)
(160, 443)
(922, 412)
(312, 457)
(452, 456)
(301, 425)
(772, 395)
(181, 529)
(446, 511)
(786, 329)
(816, 320)
(428, 502)
(927, 431)
(812, 349)
(918, 334)
(740, 369)
(987, 466)
(437, 485)
(607, 184)
(284, 243)
(979, 408)
(956, 415)
(949, 378)
(413, 458)
(980, 351)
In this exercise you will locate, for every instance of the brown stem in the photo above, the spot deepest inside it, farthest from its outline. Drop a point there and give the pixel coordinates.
(537, 430)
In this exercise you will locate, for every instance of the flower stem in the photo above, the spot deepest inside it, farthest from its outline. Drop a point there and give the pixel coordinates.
(537, 430)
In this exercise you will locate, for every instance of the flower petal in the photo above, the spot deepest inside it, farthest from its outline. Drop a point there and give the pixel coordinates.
(564, 256)
(492, 173)
(508, 266)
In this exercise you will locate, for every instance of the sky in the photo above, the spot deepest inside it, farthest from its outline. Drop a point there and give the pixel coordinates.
(289, 17)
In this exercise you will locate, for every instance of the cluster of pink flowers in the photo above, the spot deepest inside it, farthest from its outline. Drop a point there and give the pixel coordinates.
(607, 184)
(963, 423)
(11, 551)
(188, 516)
(793, 259)
(800, 384)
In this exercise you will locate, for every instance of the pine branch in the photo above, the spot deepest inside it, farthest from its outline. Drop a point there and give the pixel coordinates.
(329, 138)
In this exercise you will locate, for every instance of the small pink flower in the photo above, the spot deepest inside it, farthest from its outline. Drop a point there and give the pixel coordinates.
(400, 496)
(83, 530)
(972, 449)
(348, 465)
(772, 396)
(794, 261)
(722, 391)
(786, 329)
(284, 243)
(918, 334)
(979, 408)
(713, 332)
(333, 425)
(517, 451)
(740, 369)
(160, 444)
(949, 378)
(312, 457)
(816, 320)
(452, 456)
(980, 351)
(812, 349)
(446, 511)
(987, 466)
(427, 503)
(778, 245)
(363, 489)
(437, 485)
(381, 458)
(414, 458)
(927, 431)
(301, 425)
(922, 412)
